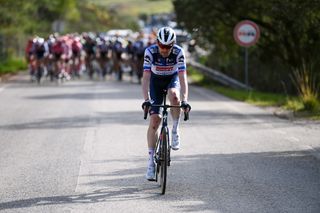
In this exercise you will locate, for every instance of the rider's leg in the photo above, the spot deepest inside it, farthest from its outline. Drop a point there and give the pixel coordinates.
(152, 133)
(174, 98)
(152, 136)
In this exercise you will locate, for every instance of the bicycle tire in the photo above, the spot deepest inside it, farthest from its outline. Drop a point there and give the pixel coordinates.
(164, 159)
(168, 148)
(39, 74)
(157, 159)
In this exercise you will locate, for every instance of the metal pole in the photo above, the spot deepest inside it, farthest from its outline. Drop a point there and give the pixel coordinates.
(246, 67)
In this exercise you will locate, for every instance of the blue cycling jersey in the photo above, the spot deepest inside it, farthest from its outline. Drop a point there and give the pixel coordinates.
(164, 72)
(160, 66)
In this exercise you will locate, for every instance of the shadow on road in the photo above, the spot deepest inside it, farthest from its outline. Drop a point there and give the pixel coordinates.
(245, 182)
(101, 92)
(135, 117)
(100, 118)
(131, 118)
(111, 95)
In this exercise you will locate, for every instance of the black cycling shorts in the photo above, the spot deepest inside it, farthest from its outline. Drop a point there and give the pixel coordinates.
(157, 85)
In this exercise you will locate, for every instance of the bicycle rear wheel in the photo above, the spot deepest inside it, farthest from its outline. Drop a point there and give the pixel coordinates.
(164, 159)
(39, 74)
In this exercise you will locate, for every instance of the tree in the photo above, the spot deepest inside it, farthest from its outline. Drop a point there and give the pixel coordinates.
(20, 19)
(290, 37)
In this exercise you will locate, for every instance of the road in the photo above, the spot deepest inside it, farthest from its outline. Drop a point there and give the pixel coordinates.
(81, 147)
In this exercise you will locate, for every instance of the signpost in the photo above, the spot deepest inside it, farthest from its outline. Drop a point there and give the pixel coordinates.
(246, 33)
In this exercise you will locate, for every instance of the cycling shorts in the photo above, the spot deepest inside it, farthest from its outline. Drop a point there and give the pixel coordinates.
(76, 53)
(103, 54)
(40, 55)
(57, 56)
(157, 85)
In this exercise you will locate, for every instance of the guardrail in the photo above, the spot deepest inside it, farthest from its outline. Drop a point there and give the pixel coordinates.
(218, 76)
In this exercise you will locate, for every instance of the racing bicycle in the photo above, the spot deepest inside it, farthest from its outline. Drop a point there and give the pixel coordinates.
(162, 150)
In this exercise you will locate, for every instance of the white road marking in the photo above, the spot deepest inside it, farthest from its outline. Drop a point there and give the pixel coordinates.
(88, 152)
(85, 159)
(293, 139)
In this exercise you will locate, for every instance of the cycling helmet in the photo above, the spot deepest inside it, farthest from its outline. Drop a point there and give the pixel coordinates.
(166, 36)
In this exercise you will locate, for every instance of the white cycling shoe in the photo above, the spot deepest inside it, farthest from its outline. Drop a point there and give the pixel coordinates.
(151, 175)
(175, 142)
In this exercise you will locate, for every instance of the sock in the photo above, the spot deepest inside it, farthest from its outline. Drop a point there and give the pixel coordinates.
(175, 126)
(151, 152)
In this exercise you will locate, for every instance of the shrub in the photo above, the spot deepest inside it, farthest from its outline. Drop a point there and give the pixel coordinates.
(12, 65)
(307, 86)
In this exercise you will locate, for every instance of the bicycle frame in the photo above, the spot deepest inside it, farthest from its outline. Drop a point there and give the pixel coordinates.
(165, 111)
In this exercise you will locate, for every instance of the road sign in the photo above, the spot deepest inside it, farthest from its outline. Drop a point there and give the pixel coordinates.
(246, 33)
(58, 26)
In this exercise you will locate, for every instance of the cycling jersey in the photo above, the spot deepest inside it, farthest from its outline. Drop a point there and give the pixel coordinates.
(76, 46)
(164, 72)
(40, 49)
(139, 48)
(117, 49)
(160, 66)
(28, 50)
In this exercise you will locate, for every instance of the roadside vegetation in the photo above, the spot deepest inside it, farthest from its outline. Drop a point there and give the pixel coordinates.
(285, 59)
(12, 65)
(296, 104)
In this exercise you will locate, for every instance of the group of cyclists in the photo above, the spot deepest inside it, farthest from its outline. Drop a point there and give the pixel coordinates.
(97, 55)
(155, 59)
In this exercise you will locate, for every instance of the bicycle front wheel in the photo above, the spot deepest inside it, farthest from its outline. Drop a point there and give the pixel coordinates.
(164, 159)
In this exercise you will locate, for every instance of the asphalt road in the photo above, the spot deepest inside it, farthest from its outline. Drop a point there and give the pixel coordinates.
(81, 147)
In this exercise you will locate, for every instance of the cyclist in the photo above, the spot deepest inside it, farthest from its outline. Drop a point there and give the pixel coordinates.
(40, 50)
(139, 47)
(117, 50)
(30, 57)
(164, 68)
(76, 47)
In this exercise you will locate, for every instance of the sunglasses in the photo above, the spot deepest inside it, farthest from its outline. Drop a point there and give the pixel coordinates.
(167, 47)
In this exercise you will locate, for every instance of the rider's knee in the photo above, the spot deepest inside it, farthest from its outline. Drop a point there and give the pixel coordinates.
(155, 122)
(174, 97)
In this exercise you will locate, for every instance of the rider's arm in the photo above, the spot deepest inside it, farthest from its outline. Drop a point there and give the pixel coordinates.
(182, 67)
(145, 85)
(147, 63)
(184, 85)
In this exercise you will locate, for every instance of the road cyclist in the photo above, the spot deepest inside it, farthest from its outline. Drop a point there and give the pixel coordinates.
(164, 68)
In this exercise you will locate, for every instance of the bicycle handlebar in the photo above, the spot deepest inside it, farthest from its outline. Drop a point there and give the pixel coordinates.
(186, 116)
(146, 110)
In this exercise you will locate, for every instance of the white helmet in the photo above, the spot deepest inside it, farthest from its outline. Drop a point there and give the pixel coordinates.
(166, 36)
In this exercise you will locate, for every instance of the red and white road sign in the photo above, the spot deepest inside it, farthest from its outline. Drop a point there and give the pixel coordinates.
(246, 33)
